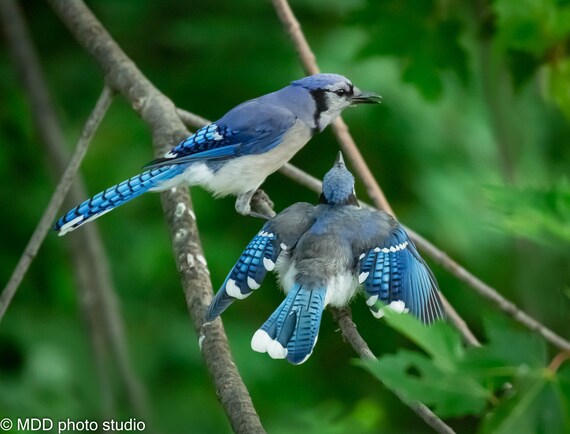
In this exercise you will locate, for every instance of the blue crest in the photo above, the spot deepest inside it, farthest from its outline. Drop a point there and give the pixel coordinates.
(338, 185)
(321, 81)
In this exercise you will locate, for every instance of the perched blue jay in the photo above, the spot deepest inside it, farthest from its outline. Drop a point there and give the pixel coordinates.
(236, 153)
(322, 254)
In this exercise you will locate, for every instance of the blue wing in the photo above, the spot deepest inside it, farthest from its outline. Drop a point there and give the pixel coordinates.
(279, 234)
(210, 142)
(253, 127)
(256, 260)
(393, 271)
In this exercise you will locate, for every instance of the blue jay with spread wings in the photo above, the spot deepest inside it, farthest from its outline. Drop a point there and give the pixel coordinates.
(235, 154)
(323, 254)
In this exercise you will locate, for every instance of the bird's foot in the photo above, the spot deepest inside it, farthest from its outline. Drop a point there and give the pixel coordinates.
(255, 204)
(261, 205)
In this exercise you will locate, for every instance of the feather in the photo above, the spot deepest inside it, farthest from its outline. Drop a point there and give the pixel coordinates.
(247, 274)
(292, 330)
(394, 273)
(115, 196)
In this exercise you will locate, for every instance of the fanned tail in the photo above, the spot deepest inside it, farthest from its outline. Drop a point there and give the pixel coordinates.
(291, 331)
(114, 196)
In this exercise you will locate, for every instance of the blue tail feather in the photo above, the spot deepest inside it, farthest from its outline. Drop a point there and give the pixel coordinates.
(294, 325)
(115, 196)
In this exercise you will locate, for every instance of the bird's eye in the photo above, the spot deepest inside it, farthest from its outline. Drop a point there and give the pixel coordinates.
(340, 92)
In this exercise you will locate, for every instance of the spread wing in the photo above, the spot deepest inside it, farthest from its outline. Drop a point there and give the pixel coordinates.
(278, 234)
(393, 273)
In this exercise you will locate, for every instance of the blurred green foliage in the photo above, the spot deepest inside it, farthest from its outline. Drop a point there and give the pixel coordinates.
(471, 146)
(510, 374)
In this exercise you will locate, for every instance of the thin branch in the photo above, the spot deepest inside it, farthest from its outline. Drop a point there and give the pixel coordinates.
(343, 317)
(293, 29)
(558, 360)
(379, 200)
(353, 154)
(55, 202)
(191, 119)
(314, 184)
(455, 269)
(340, 129)
(439, 256)
(97, 294)
(160, 114)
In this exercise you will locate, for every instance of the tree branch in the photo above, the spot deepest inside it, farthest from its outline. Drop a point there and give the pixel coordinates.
(379, 200)
(97, 298)
(343, 317)
(160, 114)
(455, 269)
(55, 202)
(340, 129)
(439, 256)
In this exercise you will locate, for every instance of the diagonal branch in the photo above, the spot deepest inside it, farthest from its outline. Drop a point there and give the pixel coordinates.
(348, 146)
(160, 114)
(55, 202)
(340, 129)
(97, 294)
(454, 268)
(343, 317)
(439, 256)
(379, 200)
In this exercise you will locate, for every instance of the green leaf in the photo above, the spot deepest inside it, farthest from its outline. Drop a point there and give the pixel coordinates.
(534, 26)
(513, 346)
(438, 340)
(457, 382)
(418, 378)
(534, 409)
(435, 381)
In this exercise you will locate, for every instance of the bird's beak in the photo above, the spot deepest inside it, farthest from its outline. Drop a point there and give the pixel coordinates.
(360, 97)
(339, 159)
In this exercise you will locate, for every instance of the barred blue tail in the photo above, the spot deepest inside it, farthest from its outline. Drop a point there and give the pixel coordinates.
(115, 196)
(291, 331)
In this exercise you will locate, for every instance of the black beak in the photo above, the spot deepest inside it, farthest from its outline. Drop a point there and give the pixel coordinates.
(365, 97)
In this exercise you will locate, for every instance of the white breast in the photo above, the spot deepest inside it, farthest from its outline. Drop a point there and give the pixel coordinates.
(247, 173)
(340, 288)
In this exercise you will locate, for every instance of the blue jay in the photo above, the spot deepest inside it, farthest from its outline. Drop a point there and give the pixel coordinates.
(322, 255)
(235, 154)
